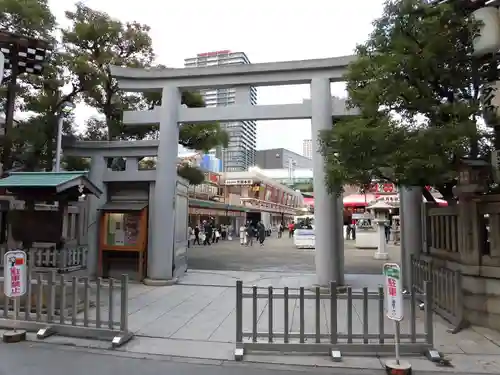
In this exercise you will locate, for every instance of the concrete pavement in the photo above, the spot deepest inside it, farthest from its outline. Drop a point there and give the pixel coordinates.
(279, 255)
(196, 318)
(42, 359)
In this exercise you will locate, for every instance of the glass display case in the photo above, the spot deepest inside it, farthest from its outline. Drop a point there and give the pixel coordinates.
(123, 233)
(123, 229)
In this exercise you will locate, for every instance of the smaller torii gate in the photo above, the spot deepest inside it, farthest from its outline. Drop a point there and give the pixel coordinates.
(101, 176)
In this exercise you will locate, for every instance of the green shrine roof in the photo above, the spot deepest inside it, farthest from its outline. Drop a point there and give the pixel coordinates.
(60, 181)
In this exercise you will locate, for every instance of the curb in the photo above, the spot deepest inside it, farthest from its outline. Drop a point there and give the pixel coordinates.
(349, 365)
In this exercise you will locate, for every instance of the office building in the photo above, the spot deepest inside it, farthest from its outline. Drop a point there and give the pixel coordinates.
(281, 158)
(240, 153)
(307, 148)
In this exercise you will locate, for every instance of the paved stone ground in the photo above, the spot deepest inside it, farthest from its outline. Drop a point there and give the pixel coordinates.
(196, 319)
(280, 255)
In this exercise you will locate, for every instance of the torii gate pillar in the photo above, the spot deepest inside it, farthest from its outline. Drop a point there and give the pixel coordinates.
(328, 208)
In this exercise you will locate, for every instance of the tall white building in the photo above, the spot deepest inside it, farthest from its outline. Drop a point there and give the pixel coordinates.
(240, 153)
(307, 148)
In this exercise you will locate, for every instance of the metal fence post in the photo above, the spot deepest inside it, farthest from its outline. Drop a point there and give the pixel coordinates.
(301, 315)
(124, 304)
(239, 311)
(317, 313)
(285, 317)
(333, 313)
(254, 313)
(349, 315)
(52, 296)
(429, 328)
(270, 313)
(458, 296)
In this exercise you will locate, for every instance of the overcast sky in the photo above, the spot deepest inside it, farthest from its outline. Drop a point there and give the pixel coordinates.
(266, 30)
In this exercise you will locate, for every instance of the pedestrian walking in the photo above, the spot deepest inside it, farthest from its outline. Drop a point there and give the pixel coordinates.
(196, 235)
(249, 231)
(291, 229)
(207, 227)
(261, 233)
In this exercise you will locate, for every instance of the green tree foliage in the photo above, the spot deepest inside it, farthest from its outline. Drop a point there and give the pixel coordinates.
(41, 96)
(95, 41)
(417, 88)
(31, 18)
(194, 175)
(78, 70)
(200, 137)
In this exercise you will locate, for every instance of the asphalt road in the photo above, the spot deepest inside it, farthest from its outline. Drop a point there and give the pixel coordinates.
(279, 255)
(46, 359)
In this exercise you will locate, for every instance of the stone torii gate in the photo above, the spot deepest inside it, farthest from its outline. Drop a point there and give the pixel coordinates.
(320, 109)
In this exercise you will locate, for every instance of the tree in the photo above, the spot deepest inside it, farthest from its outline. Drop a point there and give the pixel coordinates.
(31, 18)
(417, 89)
(41, 96)
(199, 137)
(95, 41)
(194, 175)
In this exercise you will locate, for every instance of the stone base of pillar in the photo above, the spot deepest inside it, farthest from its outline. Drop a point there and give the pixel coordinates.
(380, 255)
(159, 282)
(381, 252)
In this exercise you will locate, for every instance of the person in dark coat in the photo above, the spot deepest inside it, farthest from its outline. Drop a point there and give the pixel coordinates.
(196, 235)
(261, 233)
(250, 234)
(208, 233)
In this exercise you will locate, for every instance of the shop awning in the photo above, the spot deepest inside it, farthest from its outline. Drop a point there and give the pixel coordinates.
(359, 200)
(215, 205)
(308, 201)
(123, 206)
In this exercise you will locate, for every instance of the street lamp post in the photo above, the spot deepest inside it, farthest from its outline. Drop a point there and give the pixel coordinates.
(65, 107)
(291, 167)
(291, 170)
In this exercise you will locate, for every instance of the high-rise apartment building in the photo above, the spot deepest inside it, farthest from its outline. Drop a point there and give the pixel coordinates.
(240, 153)
(307, 148)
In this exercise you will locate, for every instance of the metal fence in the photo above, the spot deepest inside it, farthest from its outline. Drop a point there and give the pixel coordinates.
(375, 339)
(447, 291)
(75, 307)
(61, 260)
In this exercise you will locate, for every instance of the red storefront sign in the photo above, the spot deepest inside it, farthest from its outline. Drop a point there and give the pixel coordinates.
(383, 187)
(212, 177)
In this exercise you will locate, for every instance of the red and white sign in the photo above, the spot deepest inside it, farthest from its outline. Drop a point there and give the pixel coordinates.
(15, 273)
(383, 188)
(212, 177)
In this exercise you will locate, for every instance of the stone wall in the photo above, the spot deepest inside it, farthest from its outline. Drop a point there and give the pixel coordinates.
(467, 238)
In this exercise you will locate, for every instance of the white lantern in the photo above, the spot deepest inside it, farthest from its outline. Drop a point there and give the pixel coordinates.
(488, 40)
